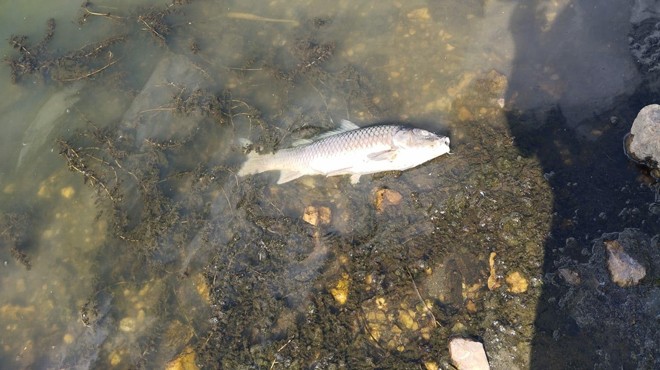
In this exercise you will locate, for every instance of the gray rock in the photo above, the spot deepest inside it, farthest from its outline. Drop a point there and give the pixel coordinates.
(468, 354)
(644, 140)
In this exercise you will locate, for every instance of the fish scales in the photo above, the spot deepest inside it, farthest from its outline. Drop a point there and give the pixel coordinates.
(351, 150)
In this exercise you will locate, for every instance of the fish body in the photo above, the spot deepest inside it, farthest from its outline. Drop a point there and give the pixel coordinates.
(351, 150)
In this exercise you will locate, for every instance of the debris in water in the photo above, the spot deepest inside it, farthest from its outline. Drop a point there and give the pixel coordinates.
(493, 281)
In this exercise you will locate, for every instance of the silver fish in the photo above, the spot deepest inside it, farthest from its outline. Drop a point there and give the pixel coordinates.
(351, 150)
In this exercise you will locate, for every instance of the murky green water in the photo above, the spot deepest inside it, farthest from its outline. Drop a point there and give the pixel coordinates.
(128, 241)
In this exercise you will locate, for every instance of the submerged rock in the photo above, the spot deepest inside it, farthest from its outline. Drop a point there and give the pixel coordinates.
(643, 143)
(625, 271)
(603, 309)
(468, 354)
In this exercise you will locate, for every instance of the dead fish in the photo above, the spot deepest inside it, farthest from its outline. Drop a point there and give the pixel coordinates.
(351, 150)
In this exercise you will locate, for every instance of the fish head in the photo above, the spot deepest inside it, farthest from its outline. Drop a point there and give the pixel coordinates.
(421, 142)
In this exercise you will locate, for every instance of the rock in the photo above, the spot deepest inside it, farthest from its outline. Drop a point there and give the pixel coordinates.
(340, 290)
(185, 361)
(387, 197)
(468, 354)
(570, 276)
(421, 14)
(643, 144)
(624, 270)
(317, 215)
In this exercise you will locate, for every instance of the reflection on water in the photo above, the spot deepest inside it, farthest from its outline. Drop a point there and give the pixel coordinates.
(128, 241)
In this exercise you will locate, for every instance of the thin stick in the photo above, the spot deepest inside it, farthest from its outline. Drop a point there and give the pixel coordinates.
(435, 321)
(151, 28)
(107, 15)
(254, 17)
(90, 74)
(272, 364)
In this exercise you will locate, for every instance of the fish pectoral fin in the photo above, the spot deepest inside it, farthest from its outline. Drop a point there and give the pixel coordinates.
(355, 178)
(288, 175)
(385, 155)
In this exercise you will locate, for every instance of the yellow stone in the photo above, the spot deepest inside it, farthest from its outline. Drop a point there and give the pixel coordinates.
(185, 361)
(426, 332)
(202, 287)
(68, 338)
(340, 291)
(317, 215)
(141, 315)
(421, 14)
(407, 320)
(471, 306)
(115, 359)
(127, 324)
(16, 312)
(9, 188)
(516, 282)
(464, 114)
(67, 192)
(387, 197)
(43, 191)
(430, 365)
(374, 332)
(381, 303)
(325, 215)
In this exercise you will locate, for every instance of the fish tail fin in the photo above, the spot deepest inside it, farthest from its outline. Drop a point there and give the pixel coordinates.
(256, 163)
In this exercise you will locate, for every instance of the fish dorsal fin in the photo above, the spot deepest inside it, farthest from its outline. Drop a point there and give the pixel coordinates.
(301, 142)
(344, 126)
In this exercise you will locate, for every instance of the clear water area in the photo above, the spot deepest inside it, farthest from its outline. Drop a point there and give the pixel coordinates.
(128, 241)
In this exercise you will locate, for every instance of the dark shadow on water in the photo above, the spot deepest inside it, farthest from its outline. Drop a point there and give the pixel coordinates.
(572, 97)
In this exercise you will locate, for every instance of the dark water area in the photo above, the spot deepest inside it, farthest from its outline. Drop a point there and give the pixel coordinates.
(596, 189)
(128, 241)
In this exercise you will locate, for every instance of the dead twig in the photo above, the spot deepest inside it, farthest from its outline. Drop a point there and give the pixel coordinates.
(87, 75)
(272, 364)
(141, 19)
(435, 321)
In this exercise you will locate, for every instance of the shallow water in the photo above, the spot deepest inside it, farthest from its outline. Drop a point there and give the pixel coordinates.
(128, 241)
